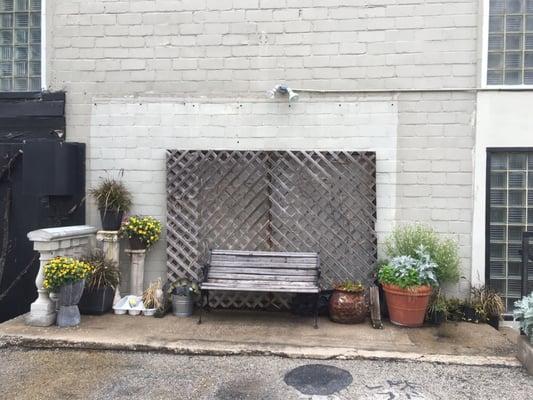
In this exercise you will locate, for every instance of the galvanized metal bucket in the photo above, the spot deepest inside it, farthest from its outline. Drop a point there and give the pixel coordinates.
(182, 305)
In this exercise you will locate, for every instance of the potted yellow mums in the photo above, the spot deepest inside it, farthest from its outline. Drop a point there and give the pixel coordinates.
(66, 276)
(141, 231)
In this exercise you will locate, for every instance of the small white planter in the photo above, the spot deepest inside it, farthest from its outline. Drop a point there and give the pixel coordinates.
(124, 306)
(149, 312)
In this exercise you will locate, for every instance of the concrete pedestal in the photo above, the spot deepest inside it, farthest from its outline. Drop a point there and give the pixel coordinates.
(525, 353)
(111, 248)
(69, 241)
(137, 271)
(42, 310)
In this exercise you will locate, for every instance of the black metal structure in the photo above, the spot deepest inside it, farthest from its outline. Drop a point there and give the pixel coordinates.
(42, 184)
(527, 259)
(526, 285)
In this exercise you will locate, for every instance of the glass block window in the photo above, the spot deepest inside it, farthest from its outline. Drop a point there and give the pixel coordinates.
(510, 44)
(510, 203)
(20, 45)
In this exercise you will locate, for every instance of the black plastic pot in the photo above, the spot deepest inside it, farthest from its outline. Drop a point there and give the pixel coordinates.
(470, 315)
(111, 219)
(136, 244)
(437, 318)
(96, 301)
(494, 321)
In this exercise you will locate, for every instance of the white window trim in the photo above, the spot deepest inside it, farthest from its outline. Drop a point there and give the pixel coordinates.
(43, 45)
(485, 55)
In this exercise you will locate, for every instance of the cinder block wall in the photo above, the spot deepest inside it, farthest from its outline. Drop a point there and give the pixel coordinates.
(230, 51)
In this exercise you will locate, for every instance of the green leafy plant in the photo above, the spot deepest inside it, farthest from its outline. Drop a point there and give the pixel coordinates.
(409, 272)
(146, 229)
(184, 287)
(350, 286)
(105, 272)
(523, 312)
(437, 303)
(406, 241)
(454, 309)
(111, 194)
(60, 271)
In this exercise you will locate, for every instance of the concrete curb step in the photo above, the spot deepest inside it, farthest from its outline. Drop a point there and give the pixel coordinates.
(220, 348)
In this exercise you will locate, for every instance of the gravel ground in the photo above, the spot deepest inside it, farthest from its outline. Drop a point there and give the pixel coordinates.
(72, 374)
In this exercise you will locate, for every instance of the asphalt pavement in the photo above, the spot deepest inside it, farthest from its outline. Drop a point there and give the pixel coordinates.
(90, 375)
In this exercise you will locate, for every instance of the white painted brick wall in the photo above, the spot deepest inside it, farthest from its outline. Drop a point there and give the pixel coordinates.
(110, 55)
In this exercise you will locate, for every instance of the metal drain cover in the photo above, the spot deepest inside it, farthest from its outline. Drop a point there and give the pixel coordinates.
(318, 379)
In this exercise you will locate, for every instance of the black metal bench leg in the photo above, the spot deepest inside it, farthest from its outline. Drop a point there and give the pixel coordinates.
(317, 298)
(201, 307)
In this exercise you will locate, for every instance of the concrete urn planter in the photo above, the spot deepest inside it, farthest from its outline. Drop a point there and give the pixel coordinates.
(69, 297)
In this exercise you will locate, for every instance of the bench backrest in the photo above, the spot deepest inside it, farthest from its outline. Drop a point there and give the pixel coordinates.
(264, 266)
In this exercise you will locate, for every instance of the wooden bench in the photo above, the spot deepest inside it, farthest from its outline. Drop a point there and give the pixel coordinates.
(261, 271)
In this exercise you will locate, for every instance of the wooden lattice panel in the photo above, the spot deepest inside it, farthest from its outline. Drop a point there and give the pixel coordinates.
(272, 200)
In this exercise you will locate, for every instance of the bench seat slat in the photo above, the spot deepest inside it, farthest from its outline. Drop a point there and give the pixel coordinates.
(260, 288)
(247, 277)
(263, 253)
(259, 264)
(265, 271)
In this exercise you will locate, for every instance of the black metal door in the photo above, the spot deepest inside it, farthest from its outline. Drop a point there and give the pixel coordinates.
(42, 184)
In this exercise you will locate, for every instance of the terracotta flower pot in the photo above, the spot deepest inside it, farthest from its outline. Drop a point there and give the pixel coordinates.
(407, 307)
(347, 307)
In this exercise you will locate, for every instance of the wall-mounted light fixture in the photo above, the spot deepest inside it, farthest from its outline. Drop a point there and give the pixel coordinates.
(283, 90)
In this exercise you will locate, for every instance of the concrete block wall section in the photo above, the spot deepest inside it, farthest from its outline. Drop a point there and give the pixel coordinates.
(195, 48)
(435, 167)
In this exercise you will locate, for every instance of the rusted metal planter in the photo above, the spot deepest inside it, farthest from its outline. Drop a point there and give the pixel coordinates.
(347, 307)
(407, 307)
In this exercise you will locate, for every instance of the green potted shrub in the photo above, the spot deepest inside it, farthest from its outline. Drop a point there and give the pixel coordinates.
(438, 308)
(406, 241)
(66, 276)
(113, 200)
(347, 304)
(454, 310)
(99, 292)
(141, 231)
(407, 283)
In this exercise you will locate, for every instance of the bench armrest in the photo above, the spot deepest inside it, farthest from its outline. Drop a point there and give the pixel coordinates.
(205, 270)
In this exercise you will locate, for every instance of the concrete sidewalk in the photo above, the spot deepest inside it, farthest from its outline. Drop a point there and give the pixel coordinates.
(262, 333)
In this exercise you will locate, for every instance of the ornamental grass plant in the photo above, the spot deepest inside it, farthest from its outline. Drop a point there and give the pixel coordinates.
(111, 194)
(105, 272)
(60, 271)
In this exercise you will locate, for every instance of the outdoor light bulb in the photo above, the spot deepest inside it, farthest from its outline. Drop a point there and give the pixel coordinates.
(292, 96)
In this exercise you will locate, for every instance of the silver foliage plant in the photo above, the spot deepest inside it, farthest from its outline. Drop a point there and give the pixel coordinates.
(425, 267)
(523, 312)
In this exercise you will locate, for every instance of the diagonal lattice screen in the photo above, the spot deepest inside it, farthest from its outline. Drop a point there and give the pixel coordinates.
(272, 200)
